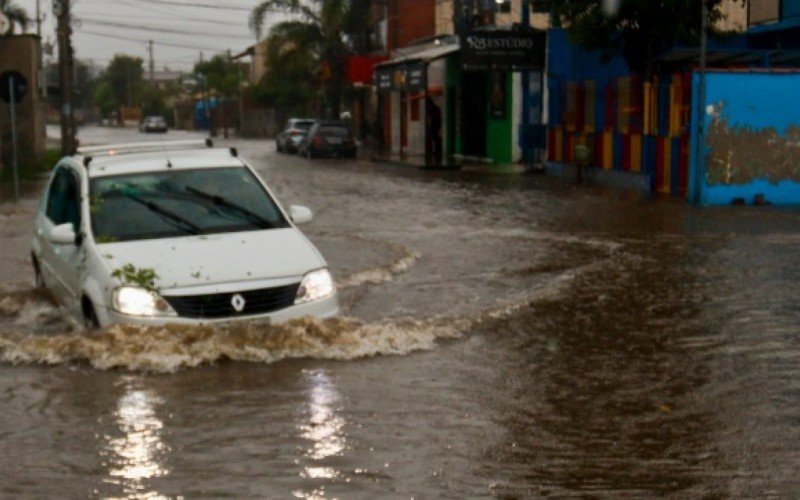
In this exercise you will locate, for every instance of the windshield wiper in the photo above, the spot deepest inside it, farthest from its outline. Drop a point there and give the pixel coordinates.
(219, 200)
(188, 226)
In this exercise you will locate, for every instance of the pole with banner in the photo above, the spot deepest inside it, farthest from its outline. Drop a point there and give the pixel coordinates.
(14, 167)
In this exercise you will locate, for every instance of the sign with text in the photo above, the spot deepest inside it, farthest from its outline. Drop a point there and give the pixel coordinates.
(503, 50)
(409, 77)
(416, 77)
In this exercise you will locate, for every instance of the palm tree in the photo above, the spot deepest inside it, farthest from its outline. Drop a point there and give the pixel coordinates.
(318, 36)
(15, 14)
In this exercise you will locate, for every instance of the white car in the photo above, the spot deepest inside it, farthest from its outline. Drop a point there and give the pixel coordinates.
(174, 232)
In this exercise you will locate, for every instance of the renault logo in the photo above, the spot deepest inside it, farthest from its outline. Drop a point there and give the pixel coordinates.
(237, 301)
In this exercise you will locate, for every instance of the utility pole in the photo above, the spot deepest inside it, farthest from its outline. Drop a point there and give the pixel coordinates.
(61, 9)
(38, 20)
(152, 63)
(699, 164)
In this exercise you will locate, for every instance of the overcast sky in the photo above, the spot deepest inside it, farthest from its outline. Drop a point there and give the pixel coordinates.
(180, 29)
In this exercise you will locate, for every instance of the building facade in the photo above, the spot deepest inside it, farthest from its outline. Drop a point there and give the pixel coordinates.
(21, 55)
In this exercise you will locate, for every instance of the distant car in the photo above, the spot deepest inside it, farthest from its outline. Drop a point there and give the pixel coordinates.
(329, 138)
(291, 135)
(160, 233)
(153, 124)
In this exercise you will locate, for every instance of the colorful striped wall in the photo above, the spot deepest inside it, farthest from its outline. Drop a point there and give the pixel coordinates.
(629, 125)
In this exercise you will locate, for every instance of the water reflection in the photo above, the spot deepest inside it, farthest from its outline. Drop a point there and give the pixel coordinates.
(138, 453)
(324, 428)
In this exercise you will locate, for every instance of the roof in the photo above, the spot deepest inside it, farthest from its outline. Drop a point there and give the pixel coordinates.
(153, 161)
(426, 55)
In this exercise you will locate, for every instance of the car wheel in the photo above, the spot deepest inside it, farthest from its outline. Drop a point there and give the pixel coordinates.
(38, 281)
(90, 321)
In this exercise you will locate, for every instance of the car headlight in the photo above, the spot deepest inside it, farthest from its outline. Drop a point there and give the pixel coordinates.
(316, 285)
(135, 301)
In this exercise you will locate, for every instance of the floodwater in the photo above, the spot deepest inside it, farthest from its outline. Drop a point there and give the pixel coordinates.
(502, 336)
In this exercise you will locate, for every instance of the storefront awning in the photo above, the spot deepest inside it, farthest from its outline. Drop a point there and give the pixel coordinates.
(408, 72)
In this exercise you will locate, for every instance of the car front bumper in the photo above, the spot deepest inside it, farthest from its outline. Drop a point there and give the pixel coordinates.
(324, 308)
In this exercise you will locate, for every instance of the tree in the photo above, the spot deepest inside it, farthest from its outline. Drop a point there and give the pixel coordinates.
(222, 75)
(291, 83)
(125, 74)
(121, 84)
(319, 39)
(640, 31)
(15, 14)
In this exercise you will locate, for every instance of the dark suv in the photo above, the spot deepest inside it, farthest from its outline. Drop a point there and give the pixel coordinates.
(329, 138)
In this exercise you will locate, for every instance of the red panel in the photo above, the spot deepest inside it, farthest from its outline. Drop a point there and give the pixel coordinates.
(683, 166)
(360, 68)
(610, 120)
(660, 162)
(579, 107)
(569, 142)
(626, 152)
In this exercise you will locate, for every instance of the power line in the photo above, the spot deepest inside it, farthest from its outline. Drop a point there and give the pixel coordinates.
(200, 5)
(144, 41)
(139, 27)
(159, 18)
(173, 14)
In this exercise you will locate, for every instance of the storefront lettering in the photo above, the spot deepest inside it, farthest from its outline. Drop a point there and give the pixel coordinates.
(481, 43)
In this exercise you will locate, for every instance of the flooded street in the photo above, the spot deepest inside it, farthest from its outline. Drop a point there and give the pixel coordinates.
(501, 336)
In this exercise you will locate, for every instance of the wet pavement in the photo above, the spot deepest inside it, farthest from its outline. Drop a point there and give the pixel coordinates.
(502, 336)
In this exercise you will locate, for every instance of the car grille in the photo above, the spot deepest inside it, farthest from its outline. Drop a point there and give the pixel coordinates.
(219, 305)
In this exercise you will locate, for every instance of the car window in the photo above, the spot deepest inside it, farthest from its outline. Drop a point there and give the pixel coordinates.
(305, 125)
(334, 131)
(63, 199)
(180, 202)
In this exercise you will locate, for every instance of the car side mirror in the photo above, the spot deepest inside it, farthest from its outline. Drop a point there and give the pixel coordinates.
(300, 214)
(64, 234)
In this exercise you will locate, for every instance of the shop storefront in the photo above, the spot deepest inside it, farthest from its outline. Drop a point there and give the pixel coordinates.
(461, 101)
(412, 105)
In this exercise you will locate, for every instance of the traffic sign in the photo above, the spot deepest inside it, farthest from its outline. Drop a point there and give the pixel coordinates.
(12, 82)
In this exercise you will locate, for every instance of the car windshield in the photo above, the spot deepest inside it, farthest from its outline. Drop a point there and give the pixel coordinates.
(304, 125)
(180, 202)
(334, 132)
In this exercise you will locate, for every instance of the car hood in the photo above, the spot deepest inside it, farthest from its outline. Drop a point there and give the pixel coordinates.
(218, 258)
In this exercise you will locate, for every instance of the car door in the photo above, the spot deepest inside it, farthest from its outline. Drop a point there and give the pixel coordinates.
(61, 264)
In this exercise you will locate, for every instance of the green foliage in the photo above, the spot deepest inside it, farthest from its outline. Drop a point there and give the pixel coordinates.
(640, 31)
(125, 76)
(222, 75)
(306, 58)
(131, 275)
(31, 171)
(103, 97)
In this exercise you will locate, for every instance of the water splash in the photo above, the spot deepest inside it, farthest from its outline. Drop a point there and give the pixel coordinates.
(171, 347)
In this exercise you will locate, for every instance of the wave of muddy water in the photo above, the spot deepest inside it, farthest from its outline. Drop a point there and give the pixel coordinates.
(33, 330)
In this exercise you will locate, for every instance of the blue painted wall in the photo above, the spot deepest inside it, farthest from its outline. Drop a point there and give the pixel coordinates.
(751, 138)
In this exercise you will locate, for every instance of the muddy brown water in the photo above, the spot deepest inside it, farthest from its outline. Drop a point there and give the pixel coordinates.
(511, 337)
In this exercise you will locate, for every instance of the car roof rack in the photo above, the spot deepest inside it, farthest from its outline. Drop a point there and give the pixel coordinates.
(141, 147)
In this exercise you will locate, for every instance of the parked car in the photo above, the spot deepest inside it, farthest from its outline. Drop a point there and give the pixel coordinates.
(165, 233)
(153, 124)
(328, 138)
(289, 138)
